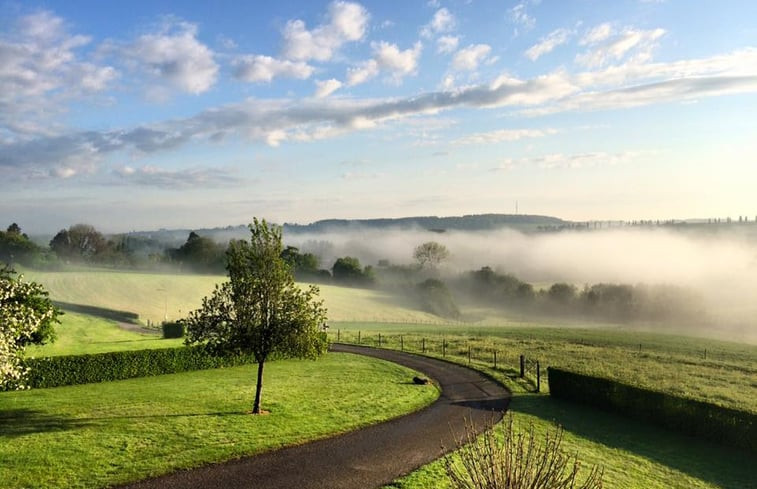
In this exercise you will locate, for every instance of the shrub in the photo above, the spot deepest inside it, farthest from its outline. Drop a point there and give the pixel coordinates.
(173, 329)
(688, 416)
(104, 367)
(516, 460)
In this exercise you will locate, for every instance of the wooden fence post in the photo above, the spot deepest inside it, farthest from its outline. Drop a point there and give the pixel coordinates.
(444, 347)
(337, 336)
(423, 342)
(538, 377)
(358, 337)
(469, 354)
(522, 366)
(402, 343)
(495, 359)
(379, 340)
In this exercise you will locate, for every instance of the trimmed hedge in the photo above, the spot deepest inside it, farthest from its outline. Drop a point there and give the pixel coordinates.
(719, 424)
(173, 329)
(104, 367)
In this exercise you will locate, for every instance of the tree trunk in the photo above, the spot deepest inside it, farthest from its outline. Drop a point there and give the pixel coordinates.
(258, 389)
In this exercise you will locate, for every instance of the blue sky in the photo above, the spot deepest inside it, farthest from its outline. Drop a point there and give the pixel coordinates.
(139, 115)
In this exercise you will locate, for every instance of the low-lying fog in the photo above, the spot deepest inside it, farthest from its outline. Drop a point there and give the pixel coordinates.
(721, 267)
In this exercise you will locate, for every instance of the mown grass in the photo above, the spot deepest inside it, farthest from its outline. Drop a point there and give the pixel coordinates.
(674, 364)
(155, 296)
(634, 455)
(101, 434)
(79, 333)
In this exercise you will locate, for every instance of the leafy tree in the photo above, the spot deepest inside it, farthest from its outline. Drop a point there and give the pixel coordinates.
(562, 293)
(436, 298)
(260, 310)
(16, 246)
(348, 270)
(200, 253)
(430, 254)
(26, 316)
(303, 264)
(79, 242)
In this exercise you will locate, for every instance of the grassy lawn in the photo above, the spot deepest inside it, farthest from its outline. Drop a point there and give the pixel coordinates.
(675, 364)
(101, 434)
(634, 455)
(80, 333)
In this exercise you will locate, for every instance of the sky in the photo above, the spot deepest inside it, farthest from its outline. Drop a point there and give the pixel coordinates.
(142, 115)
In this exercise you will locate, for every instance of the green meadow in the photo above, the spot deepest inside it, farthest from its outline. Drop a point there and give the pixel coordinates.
(92, 424)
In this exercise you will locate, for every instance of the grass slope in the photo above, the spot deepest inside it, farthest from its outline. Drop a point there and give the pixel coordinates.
(80, 333)
(102, 434)
(154, 296)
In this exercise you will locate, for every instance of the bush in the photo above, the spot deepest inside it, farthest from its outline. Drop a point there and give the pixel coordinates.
(688, 416)
(173, 329)
(104, 367)
(516, 460)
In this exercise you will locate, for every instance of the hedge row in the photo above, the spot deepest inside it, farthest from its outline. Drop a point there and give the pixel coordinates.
(719, 424)
(103, 367)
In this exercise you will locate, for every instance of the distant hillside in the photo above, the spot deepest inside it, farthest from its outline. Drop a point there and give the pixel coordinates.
(480, 222)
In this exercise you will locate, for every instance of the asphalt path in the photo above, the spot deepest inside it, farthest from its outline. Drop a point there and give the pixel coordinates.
(369, 457)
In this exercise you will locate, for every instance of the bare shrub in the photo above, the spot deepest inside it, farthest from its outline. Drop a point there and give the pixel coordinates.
(517, 460)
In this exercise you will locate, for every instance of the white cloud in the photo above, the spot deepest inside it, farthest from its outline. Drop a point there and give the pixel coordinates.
(175, 55)
(257, 68)
(582, 160)
(447, 44)
(468, 59)
(548, 44)
(392, 59)
(41, 68)
(362, 73)
(520, 17)
(347, 22)
(442, 21)
(324, 88)
(387, 58)
(152, 176)
(275, 121)
(597, 34)
(498, 136)
(615, 48)
(742, 62)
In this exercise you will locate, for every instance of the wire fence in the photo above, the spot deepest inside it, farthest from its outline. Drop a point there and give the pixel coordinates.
(453, 347)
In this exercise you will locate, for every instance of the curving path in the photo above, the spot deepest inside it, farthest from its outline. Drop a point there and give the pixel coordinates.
(369, 457)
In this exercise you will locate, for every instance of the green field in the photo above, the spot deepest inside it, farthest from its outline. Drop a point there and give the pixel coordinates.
(101, 434)
(675, 364)
(635, 455)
